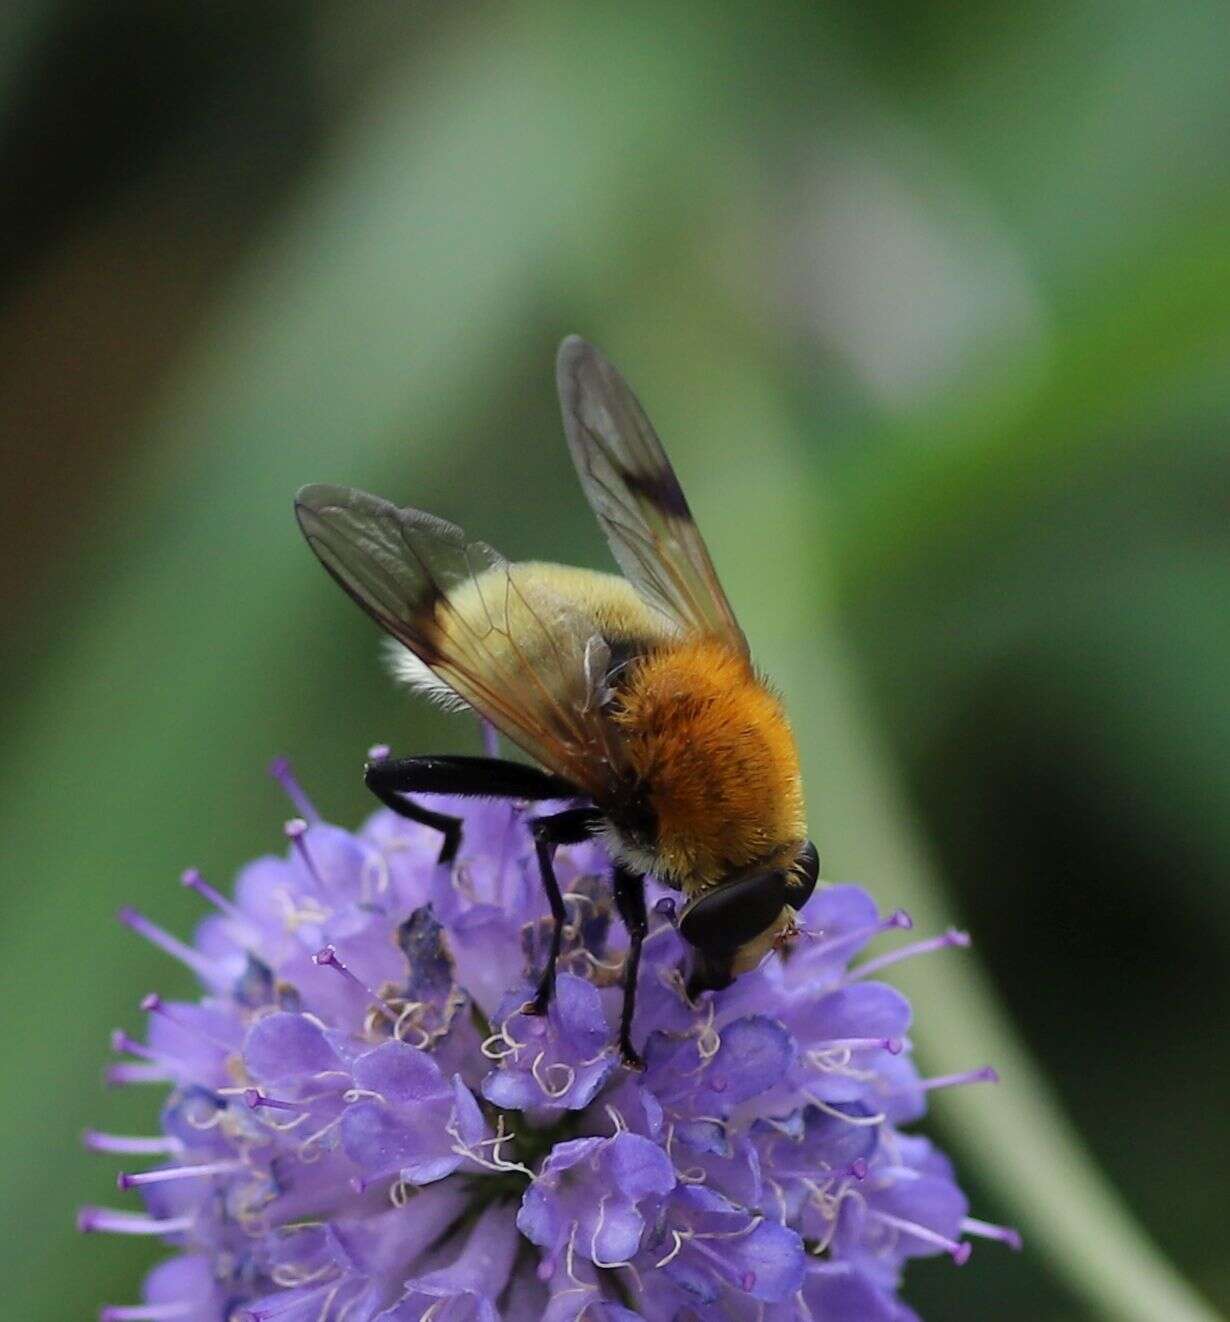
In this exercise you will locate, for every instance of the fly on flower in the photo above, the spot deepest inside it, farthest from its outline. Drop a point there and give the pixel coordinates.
(636, 695)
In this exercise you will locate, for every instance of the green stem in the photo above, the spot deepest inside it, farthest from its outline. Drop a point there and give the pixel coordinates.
(1017, 1137)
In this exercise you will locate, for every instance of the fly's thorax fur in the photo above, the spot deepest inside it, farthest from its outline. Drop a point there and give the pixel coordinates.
(607, 601)
(711, 765)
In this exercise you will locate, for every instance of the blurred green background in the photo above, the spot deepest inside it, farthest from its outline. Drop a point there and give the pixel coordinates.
(932, 306)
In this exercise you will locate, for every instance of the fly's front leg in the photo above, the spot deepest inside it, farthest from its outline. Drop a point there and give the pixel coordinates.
(390, 779)
(630, 901)
(562, 828)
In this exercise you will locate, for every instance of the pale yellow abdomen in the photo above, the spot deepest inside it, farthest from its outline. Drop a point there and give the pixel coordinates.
(531, 622)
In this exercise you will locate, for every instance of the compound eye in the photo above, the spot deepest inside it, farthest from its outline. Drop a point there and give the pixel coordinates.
(733, 912)
(802, 879)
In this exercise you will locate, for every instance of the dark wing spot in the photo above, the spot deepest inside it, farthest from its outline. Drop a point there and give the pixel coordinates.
(426, 625)
(660, 489)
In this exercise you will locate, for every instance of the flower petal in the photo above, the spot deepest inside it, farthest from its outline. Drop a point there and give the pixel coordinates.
(283, 1045)
(401, 1074)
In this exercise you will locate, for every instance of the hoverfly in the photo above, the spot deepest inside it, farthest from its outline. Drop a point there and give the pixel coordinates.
(635, 695)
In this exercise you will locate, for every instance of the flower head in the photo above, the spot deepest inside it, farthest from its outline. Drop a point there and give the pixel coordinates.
(363, 1123)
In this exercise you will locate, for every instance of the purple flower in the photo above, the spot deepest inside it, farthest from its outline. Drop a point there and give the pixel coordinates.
(363, 1124)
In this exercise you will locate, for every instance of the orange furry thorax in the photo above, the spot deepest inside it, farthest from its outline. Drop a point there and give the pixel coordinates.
(710, 746)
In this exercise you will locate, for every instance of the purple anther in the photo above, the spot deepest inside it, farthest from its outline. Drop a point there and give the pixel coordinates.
(296, 831)
(122, 1043)
(255, 1099)
(326, 957)
(193, 881)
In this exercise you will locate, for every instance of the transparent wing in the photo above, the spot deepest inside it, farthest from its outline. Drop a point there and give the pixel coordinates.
(633, 490)
(514, 652)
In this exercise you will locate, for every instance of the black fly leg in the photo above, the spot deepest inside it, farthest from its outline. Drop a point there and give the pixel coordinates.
(562, 828)
(491, 778)
(391, 778)
(382, 779)
(630, 901)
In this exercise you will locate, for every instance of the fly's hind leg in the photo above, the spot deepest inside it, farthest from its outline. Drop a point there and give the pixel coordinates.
(390, 779)
(562, 828)
(630, 901)
(383, 780)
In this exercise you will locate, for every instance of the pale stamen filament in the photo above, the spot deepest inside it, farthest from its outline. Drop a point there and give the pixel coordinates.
(298, 913)
(708, 1039)
(593, 1240)
(858, 1120)
(502, 1035)
(310, 1149)
(292, 1275)
(569, 1076)
(380, 868)
(570, 1256)
(730, 1234)
(679, 1238)
(848, 1191)
(328, 1304)
(348, 1306)
(836, 1060)
(607, 966)
(690, 1175)
(780, 1194)
(496, 1162)
(214, 1120)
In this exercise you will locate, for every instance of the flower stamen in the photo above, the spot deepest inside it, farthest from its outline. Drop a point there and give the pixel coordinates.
(282, 771)
(133, 1180)
(205, 969)
(326, 957)
(161, 1145)
(958, 1251)
(144, 1312)
(985, 1230)
(108, 1221)
(945, 941)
